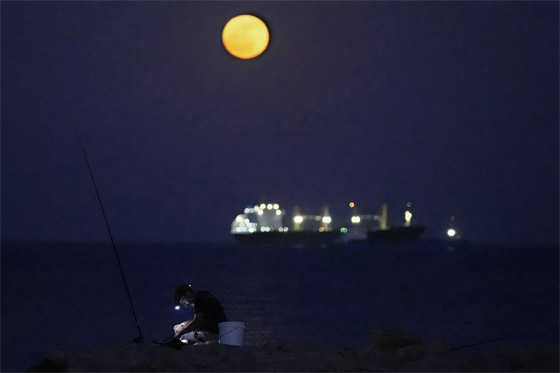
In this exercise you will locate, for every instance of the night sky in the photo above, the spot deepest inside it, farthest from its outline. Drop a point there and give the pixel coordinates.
(452, 106)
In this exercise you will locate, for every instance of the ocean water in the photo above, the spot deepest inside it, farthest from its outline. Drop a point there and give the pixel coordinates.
(70, 296)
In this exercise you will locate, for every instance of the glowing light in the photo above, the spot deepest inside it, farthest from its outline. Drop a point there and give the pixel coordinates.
(278, 212)
(177, 307)
(281, 229)
(356, 219)
(260, 212)
(246, 211)
(321, 229)
(407, 216)
(298, 219)
(276, 206)
(245, 36)
(408, 204)
(451, 232)
(351, 204)
(269, 206)
(327, 219)
(262, 206)
(344, 230)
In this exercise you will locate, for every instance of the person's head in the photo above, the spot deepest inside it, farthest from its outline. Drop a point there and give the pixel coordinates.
(185, 295)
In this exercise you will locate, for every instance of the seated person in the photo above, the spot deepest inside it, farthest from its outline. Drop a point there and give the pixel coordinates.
(203, 327)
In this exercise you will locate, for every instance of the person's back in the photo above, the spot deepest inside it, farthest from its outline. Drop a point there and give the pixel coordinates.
(212, 310)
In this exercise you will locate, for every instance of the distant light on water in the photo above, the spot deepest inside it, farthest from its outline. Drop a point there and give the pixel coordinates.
(356, 219)
(298, 219)
(177, 308)
(351, 204)
(451, 232)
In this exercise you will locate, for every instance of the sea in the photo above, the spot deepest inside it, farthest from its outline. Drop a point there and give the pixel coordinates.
(71, 297)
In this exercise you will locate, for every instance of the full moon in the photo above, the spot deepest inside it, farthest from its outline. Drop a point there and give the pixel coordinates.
(245, 36)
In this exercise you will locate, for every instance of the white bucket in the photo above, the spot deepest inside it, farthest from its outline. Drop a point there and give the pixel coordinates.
(231, 333)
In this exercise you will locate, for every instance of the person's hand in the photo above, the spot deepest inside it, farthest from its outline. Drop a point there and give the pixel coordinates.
(179, 327)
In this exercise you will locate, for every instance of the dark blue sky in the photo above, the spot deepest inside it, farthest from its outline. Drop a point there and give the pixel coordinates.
(450, 105)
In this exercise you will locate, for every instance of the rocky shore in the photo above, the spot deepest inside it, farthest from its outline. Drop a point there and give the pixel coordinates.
(389, 350)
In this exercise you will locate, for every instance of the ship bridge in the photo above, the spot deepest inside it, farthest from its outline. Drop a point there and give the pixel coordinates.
(259, 218)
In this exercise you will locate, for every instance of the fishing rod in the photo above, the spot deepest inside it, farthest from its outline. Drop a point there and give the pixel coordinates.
(503, 338)
(140, 338)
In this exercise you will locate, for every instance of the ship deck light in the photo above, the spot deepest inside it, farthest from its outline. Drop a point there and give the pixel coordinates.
(327, 219)
(356, 219)
(407, 217)
(298, 219)
(451, 232)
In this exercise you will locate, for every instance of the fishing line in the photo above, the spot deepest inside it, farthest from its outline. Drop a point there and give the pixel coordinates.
(140, 338)
(504, 338)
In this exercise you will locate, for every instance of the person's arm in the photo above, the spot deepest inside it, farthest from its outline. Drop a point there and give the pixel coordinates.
(192, 325)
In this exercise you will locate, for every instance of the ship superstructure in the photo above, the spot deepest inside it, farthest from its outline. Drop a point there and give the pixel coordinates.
(260, 218)
(268, 224)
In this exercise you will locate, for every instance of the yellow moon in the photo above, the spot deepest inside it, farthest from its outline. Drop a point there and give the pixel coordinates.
(245, 36)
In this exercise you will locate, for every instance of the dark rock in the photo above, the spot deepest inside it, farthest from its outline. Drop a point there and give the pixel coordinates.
(390, 340)
(52, 362)
(391, 350)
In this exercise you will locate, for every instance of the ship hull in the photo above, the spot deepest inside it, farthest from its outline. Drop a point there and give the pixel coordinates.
(396, 234)
(294, 238)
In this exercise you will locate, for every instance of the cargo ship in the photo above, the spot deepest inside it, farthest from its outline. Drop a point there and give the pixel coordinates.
(265, 225)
